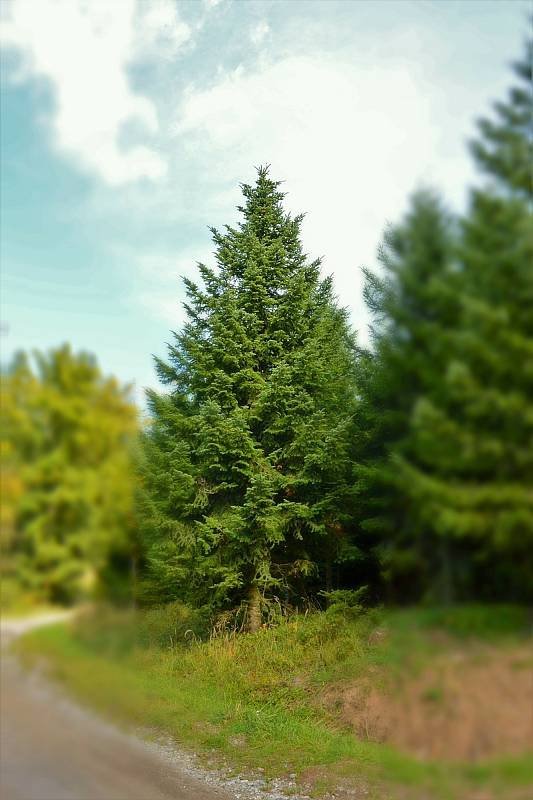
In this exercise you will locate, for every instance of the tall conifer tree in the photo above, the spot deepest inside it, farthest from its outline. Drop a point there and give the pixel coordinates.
(413, 307)
(472, 479)
(247, 457)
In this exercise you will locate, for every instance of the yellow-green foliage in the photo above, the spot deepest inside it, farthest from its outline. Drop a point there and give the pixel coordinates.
(68, 502)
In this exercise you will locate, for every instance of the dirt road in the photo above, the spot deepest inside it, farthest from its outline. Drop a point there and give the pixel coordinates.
(53, 750)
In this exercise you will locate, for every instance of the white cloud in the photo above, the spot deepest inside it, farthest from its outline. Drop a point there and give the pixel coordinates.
(351, 141)
(84, 49)
(159, 30)
(259, 32)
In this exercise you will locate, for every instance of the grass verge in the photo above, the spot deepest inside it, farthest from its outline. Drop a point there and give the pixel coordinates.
(250, 701)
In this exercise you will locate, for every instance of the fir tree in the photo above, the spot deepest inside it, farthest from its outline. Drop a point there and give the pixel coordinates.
(473, 474)
(412, 302)
(247, 459)
(505, 147)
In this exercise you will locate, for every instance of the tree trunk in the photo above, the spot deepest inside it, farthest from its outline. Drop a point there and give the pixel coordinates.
(329, 575)
(133, 575)
(254, 609)
(446, 573)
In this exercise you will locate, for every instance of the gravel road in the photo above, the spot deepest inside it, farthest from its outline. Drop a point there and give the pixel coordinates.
(53, 750)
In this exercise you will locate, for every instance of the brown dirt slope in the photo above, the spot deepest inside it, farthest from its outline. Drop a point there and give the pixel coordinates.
(467, 704)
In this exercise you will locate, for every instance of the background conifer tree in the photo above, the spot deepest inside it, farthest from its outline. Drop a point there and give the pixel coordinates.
(473, 474)
(413, 306)
(247, 460)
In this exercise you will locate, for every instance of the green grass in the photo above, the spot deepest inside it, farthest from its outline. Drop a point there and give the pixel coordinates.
(252, 698)
(487, 622)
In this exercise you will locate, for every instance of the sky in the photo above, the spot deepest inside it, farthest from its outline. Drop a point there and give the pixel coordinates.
(128, 125)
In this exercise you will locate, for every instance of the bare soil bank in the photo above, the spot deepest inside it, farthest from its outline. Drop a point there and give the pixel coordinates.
(468, 704)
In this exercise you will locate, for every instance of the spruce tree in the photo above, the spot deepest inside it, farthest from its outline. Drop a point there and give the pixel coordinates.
(247, 464)
(412, 302)
(472, 476)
